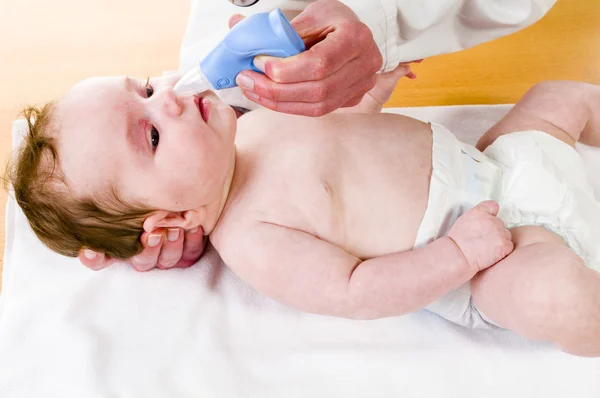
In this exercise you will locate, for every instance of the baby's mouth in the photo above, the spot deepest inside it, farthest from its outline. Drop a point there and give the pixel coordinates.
(203, 106)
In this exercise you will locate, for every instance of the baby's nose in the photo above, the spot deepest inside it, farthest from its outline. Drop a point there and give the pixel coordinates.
(171, 103)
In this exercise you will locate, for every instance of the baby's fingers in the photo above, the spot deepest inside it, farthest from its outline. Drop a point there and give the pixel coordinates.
(507, 234)
(497, 222)
(488, 206)
(507, 248)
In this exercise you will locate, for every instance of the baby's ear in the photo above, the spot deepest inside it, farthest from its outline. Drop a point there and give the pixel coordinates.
(168, 219)
(153, 220)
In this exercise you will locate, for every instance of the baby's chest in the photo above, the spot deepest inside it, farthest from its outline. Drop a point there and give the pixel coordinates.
(299, 201)
(353, 216)
(362, 201)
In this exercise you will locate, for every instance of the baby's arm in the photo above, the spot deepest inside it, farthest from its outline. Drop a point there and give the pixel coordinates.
(313, 275)
(385, 83)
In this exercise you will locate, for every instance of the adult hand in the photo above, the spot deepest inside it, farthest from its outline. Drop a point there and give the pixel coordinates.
(163, 249)
(336, 70)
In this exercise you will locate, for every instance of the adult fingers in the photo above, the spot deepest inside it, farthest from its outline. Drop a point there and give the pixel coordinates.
(194, 243)
(354, 101)
(172, 248)
(193, 247)
(326, 57)
(94, 260)
(259, 85)
(235, 19)
(332, 103)
(148, 258)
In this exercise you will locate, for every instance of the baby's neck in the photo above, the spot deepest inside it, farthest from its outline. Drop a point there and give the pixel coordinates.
(214, 211)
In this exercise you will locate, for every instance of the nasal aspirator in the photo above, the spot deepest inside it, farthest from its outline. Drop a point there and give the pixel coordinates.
(260, 34)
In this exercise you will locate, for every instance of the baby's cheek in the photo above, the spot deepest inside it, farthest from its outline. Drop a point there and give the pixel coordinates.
(125, 106)
(183, 186)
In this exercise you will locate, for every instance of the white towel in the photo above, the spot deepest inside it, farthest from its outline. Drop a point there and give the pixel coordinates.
(69, 332)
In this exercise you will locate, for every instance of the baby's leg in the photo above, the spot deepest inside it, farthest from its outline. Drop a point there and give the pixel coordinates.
(569, 111)
(543, 291)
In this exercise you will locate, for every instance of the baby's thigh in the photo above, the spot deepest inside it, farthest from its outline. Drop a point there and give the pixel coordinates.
(530, 234)
(536, 111)
(537, 279)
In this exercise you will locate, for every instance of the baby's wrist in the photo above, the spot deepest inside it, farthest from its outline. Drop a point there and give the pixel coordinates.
(459, 258)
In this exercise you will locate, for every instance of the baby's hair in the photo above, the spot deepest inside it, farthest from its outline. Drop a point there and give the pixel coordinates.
(65, 223)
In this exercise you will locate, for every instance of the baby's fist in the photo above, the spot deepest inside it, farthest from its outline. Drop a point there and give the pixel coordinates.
(481, 236)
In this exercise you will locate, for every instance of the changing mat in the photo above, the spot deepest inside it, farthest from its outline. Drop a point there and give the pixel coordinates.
(68, 332)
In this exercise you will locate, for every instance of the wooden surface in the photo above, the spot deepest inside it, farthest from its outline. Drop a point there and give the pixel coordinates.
(565, 44)
(47, 46)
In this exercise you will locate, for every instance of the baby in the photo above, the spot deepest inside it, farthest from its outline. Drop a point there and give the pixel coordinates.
(355, 215)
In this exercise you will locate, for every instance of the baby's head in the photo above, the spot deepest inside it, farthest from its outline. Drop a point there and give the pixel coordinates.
(119, 155)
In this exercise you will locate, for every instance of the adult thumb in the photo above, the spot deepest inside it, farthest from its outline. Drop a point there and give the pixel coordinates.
(234, 19)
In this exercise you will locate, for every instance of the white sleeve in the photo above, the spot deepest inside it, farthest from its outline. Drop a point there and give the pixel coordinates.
(405, 30)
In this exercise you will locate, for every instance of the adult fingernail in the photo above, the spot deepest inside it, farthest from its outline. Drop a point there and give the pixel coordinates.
(173, 234)
(141, 266)
(250, 95)
(193, 230)
(245, 81)
(259, 62)
(167, 264)
(89, 254)
(154, 240)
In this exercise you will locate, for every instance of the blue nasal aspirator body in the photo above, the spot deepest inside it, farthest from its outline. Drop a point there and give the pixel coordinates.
(260, 34)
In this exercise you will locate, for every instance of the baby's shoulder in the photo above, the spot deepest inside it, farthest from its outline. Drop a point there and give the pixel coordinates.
(237, 236)
(250, 201)
(255, 199)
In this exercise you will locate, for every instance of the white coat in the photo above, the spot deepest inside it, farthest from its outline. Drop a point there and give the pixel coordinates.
(404, 30)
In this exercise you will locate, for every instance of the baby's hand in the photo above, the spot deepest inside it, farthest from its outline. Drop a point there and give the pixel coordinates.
(481, 236)
(385, 83)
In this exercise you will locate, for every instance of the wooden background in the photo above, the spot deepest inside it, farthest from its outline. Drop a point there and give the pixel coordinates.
(47, 46)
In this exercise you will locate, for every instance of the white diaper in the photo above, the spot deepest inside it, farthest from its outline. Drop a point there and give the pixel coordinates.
(537, 180)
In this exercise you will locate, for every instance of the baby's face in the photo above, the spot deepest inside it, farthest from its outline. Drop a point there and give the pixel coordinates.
(163, 151)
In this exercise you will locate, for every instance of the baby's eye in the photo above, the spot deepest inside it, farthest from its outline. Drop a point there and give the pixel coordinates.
(149, 89)
(154, 137)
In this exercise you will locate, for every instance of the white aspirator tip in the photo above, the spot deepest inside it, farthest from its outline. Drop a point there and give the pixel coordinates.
(193, 82)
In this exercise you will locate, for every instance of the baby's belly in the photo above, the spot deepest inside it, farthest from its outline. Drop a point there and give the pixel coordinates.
(377, 191)
(373, 215)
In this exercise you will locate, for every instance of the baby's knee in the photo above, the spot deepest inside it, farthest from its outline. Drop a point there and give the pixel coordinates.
(556, 88)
